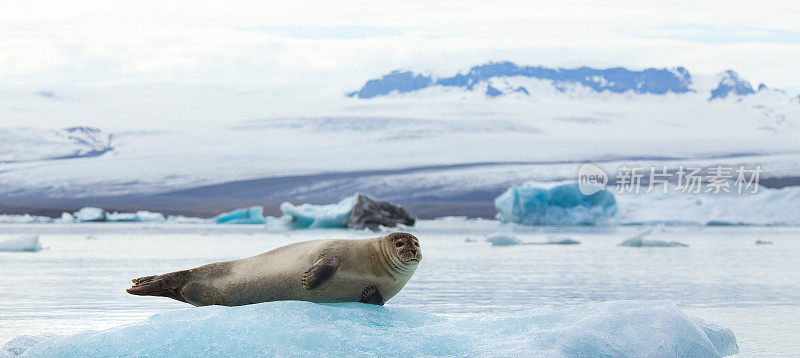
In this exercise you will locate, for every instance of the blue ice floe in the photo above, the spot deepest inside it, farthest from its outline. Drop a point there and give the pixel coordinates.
(503, 240)
(508, 240)
(251, 215)
(609, 329)
(319, 216)
(21, 244)
(639, 240)
(561, 205)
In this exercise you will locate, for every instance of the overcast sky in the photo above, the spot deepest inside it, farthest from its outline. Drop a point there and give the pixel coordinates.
(287, 42)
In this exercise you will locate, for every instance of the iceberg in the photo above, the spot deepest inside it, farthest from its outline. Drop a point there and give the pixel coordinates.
(503, 240)
(180, 219)
(67, 218)
(561, 205)
(24, 219)
(562, 241)
(21, 244)
(639, 240)
(137, 216)
(355, 212)
(292, 328)
(319, 216)
(89, 214)
(507, 240)
(251, 215)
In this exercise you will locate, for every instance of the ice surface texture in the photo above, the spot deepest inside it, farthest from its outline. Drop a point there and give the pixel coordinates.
(560, 205)
(610, 329)
(21, 244)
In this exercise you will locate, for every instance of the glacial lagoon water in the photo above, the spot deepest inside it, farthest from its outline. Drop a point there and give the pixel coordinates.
(77, 282)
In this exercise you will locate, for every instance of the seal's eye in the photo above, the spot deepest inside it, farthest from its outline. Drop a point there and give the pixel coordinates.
(399, 244)
(416, 244)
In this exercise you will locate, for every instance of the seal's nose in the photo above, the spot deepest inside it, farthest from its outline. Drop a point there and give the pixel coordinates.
(414, 252)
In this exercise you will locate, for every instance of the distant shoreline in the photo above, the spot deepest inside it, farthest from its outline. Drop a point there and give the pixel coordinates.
(207, 201)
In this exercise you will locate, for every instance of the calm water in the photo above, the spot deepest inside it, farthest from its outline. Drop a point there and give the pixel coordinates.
(78, 282)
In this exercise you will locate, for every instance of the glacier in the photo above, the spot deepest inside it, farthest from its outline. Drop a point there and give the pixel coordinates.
(291, 328)
(564, 204)
(21, 244)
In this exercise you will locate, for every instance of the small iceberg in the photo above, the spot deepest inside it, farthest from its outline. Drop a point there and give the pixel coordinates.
(503, 240)
(251, 215)
(24, 219)
(508, 240)
(139, 216)
(293, 328)
(639, 240)
(311, 216)
(356, 212)
(90, 214)
(561, 205)
(21, 244)
(763, 242)
(561, 241)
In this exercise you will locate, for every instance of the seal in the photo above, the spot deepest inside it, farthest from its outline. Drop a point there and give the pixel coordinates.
(367, 270)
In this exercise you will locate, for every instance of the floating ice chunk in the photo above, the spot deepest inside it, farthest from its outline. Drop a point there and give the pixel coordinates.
(115, 216)
(562, 241)
(88, 214)
(144, 215)
(560, 205)
(371, 213)
(503, 240)
(186, 219)
(21, 244)
(67, 218)
(651, 243)
(610, 329)
(319, 216)
(24, 219)
(639, 240)
(137, 216)
(356, 212)
(763, 242)
(251, 215)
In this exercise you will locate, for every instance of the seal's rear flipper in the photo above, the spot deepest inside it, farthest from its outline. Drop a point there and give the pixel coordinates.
(166, 285)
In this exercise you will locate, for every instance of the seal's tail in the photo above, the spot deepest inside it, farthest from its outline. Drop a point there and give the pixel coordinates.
(166, 285)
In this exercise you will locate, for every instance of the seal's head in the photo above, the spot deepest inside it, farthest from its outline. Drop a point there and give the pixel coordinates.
(403, 249)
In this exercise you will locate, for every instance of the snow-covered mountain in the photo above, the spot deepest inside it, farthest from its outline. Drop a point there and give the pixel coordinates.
(410, 137)
(486, 77)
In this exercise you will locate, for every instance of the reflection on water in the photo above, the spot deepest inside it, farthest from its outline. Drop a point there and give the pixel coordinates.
(78, 282)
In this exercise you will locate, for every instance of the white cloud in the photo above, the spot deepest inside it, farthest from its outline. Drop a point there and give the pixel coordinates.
(85, 41)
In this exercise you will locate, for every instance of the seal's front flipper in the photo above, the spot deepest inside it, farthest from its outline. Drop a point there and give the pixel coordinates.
(372, 296)
(319, 272)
